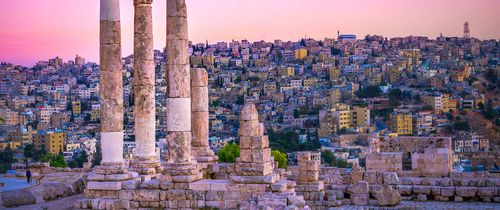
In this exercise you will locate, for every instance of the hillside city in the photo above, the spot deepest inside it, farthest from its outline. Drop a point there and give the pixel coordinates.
(352, 101)
(329, 94)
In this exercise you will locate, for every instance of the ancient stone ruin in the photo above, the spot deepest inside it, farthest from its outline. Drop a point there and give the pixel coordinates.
(191, 178)
(183, 181)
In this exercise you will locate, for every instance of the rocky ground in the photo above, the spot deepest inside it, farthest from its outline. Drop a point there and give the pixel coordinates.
(427, 206)
(60, 204)
(52, 187)
(67, 203)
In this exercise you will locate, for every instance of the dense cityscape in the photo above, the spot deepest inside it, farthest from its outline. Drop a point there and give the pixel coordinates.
(366, 110)
(308, 92)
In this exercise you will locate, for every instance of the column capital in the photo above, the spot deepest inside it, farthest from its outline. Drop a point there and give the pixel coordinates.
(139, 2)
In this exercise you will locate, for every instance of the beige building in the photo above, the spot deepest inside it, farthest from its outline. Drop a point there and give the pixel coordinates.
(9, 117)
(402, 124)
(434, 100)
(341, 116)
(51, 142)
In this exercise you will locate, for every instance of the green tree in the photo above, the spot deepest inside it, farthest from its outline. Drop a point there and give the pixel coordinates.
(462, 126)
(369, 92)
(327, 156)
(395, 96)
(45, 158)
(330, 160)
(97, 156)
(418, 99)
(303, 42)
(229, 153)
(58, 161)
(488, 111)
(78, 160)
(6, 159)
(340, 163)
(215, 103)
(342, 131)
(296, 113)
(491, 76)
(29, 151)
(281, 158)
(335, 51)
(240, 100)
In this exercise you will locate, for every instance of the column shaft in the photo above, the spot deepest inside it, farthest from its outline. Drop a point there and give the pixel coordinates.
(178, 84)
(199, 120)
(111, 87)
(199, 107)
(144, 80)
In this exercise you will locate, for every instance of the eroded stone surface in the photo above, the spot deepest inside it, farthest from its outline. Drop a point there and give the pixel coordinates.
(387, 196)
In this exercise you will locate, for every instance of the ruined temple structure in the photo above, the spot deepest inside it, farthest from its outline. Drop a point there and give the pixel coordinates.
(183, 180)
(190, 177)
(420, 156)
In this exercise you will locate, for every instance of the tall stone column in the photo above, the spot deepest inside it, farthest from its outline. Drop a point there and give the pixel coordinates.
(107, 180)
(111, 87)
(145, 160)
(199, 117)
(181, 165)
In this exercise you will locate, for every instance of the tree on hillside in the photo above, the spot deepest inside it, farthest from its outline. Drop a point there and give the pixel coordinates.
(97, 156)
(461, 126)
(58, 161)
(78, 160)
(369, 92)
(229, 153)
(488, 111)
(289, 142)
(281, 158)
(327, 156)
(29, 151)
(6, 159)
(395, 96)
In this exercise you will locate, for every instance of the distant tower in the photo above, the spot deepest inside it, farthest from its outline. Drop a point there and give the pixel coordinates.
(338, 34)
(466, 30)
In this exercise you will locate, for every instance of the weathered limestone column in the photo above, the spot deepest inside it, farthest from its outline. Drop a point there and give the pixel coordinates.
(199, 117)
(107, 180)
(255, 164)
(181, 165)
(145, 160)
(111, 88)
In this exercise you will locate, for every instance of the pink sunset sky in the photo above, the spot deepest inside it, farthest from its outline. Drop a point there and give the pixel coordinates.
(33, 30)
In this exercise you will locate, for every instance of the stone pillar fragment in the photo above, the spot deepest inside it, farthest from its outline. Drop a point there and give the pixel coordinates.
(255, 164)
(145, 160)
(199, 117)
(308, 181)
(181, 166)
(308, 168)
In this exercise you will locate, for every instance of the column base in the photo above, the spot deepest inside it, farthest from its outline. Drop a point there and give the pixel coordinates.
(107, 187)
(266, 179)
(182, 172)
(145, 165)
(204, 155)
(111, 168)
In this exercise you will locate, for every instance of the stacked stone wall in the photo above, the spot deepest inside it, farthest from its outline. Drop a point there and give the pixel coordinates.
(433, 162)
(408, 144)
(385, 162)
